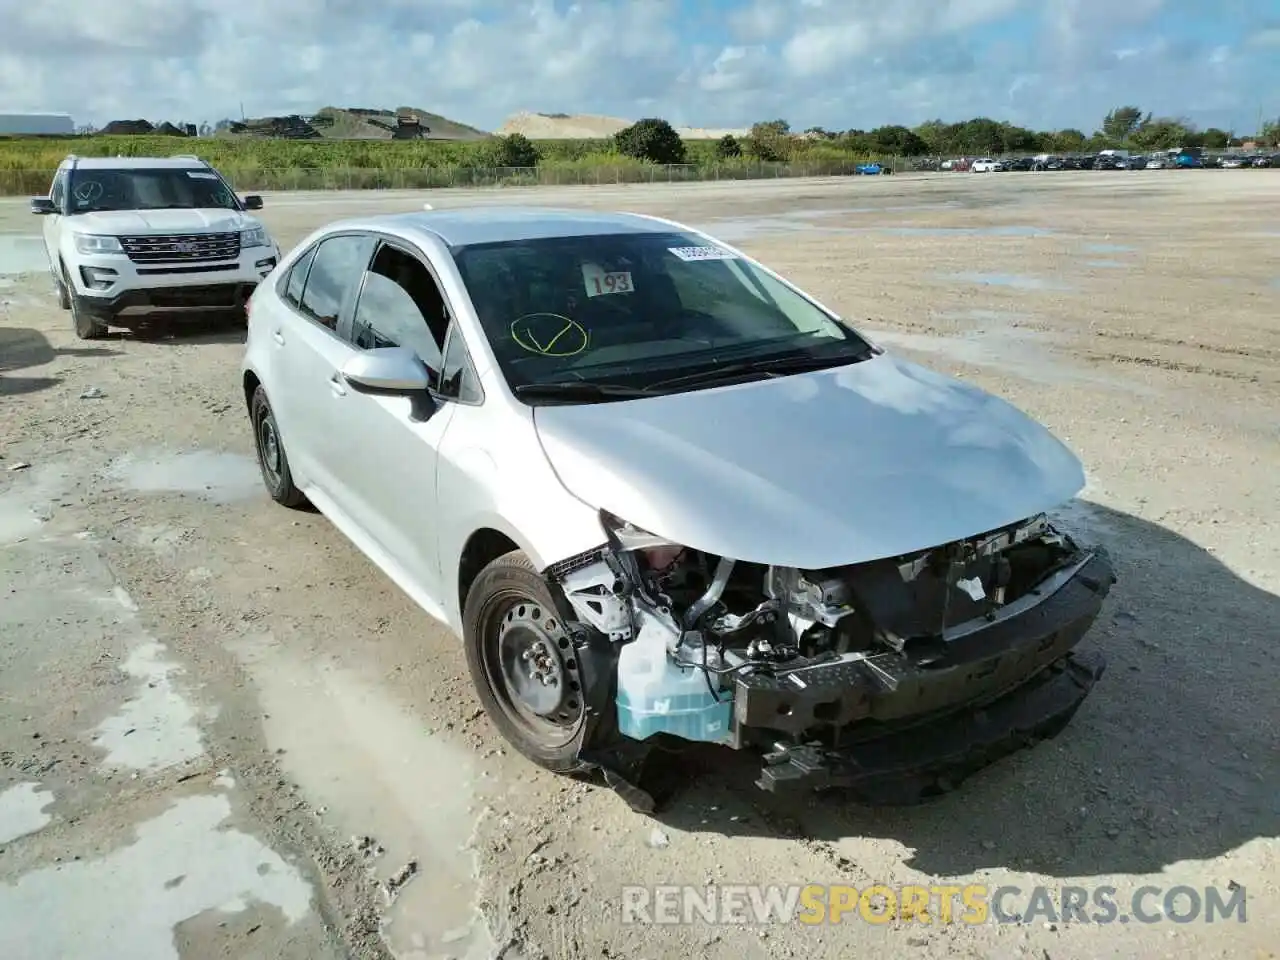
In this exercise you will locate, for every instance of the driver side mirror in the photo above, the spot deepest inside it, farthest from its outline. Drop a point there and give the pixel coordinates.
(388, 370)
(253, 202)
(43, 206)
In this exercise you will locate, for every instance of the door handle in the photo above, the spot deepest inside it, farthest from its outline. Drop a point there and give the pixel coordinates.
(337, 386)
(278, 337)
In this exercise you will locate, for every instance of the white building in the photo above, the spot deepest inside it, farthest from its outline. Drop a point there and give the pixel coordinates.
(35, 123)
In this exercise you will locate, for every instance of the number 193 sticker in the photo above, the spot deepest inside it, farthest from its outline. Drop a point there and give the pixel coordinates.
(600, 283)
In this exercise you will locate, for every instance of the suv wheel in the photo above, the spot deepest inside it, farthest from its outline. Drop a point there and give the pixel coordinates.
(88, 327)
(60, 285)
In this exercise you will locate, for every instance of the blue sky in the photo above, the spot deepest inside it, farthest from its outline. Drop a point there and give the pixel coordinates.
(712, 63)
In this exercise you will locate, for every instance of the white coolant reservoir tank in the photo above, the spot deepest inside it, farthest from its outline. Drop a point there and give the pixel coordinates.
(657, 696)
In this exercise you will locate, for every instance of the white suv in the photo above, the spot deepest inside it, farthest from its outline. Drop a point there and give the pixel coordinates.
(130, 236)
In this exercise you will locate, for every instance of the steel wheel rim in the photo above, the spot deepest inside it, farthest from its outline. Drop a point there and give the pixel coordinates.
(269, 453)
(533, 670)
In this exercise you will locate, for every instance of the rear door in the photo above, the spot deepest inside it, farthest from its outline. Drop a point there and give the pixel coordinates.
(311, 354)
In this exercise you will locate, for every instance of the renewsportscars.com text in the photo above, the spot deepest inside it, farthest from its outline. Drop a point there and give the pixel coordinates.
(970, 904)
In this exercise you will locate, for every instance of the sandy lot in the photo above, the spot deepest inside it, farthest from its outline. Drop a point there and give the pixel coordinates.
(224, 733)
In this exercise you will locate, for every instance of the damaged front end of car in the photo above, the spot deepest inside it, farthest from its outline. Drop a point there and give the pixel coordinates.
(895, 677)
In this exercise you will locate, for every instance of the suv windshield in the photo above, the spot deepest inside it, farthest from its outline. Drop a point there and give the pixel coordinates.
(640, 311)
(161, 188)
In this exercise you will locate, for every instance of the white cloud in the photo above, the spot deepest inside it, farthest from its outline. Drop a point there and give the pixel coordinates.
(834, 63)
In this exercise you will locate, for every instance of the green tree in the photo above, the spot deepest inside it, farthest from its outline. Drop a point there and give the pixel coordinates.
(1163, 134)
(937, 136)
(1015, 139)
(979, 135)
(727, 147)
(1270, 133)
(1066, 141)
(1215, 139)
(898, 141)
(770, 140)
(1122, 122)
(513, 150)
(651, 139)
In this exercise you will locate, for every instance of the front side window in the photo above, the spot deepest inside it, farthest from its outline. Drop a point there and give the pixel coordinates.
(638, 310)
(59, 191)
(334, 275)
(160, 188)
(400, 305)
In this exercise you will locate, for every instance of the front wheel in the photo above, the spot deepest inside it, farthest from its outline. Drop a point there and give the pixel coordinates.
(524, 664)
(87, 326)
(60, 286)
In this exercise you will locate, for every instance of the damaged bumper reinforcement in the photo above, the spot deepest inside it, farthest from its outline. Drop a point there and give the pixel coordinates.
(930, 759)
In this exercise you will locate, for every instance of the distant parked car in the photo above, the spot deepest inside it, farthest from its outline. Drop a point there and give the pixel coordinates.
(1158, 163)
(1264, 161)
(1235, 163)
(985, 165)
(871, 169)
(1021, 163)
(1187, 161)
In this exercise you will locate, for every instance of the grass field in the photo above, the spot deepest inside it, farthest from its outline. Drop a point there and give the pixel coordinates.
(27, 163)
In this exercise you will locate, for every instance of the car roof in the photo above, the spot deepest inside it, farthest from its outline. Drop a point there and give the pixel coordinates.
(138, 163)
(463, 226)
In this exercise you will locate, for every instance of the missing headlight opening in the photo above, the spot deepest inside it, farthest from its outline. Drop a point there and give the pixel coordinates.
(916, 668)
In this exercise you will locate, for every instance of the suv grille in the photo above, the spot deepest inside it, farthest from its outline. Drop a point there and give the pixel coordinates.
(185, 248)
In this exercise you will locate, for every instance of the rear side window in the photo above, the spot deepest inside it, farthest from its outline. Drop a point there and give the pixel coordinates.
(335, 273)
(298, 277)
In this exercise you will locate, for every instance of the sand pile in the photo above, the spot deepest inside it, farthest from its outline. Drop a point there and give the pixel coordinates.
(585, 126)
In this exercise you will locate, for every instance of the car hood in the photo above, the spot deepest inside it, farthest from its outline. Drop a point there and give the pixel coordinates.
(870, 460)
(144, 222)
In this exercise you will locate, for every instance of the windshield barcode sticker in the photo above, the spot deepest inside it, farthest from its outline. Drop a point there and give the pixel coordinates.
(702, 253)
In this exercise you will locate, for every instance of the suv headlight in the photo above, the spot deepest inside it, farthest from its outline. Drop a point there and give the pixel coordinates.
(254, 237)
(88, 243)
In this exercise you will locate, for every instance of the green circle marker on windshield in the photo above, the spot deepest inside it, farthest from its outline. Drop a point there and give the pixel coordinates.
(549, 335)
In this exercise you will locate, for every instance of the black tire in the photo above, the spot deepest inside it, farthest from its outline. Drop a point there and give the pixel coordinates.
(60, 284)
(87, 326)
(510, 608)
(272, 460)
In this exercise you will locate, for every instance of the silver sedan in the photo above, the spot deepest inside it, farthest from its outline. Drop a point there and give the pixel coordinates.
(661, 494)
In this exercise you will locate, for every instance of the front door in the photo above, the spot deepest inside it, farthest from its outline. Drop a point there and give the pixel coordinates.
(58, 194)
(386, 478)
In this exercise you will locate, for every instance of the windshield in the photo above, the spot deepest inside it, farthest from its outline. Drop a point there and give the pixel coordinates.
(148, 189)
(638, 310)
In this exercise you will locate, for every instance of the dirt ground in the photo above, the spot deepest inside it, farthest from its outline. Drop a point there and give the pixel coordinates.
(223, 733)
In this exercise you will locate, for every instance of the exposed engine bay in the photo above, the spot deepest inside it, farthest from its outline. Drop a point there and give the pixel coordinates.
(807, 664)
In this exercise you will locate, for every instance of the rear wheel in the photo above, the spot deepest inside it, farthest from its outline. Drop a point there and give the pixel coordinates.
(524, 664)
(271, 456)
